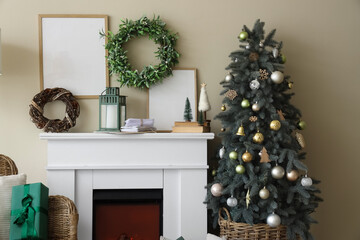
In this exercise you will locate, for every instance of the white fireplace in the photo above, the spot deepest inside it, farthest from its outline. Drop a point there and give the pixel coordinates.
(79, 163)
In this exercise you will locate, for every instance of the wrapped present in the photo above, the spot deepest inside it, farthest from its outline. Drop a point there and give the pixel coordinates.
(29, 209)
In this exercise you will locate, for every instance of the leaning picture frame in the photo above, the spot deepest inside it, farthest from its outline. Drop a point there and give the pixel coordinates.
(166, 101)
(72, 53)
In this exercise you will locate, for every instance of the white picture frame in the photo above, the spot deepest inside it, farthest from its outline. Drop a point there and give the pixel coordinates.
(166, 101)
(72, 53)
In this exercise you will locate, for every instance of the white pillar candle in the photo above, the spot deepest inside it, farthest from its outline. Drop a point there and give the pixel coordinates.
(111, 116)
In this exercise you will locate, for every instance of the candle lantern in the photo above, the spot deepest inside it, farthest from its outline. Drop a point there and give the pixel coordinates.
(112, 109)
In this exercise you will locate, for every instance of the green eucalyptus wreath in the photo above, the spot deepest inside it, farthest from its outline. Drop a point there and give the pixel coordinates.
(118, 62)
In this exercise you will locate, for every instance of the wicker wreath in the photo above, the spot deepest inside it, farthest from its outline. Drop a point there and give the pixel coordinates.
(54, 125)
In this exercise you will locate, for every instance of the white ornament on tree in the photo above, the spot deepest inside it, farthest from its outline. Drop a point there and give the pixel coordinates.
(277, 77)
(254, 84)
(231, 201)
(275, 52)
(216, 189)
(306, 181)
(222, 152)
(273, 220)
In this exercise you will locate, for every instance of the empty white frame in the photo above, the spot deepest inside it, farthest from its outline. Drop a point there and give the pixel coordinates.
(167, 100)
(72, 53)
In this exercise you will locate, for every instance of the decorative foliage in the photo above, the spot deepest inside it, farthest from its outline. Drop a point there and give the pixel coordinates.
(54, 125)
(118, 61)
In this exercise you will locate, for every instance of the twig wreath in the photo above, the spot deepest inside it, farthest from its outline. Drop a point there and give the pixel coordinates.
(54, 125)
(118, 62)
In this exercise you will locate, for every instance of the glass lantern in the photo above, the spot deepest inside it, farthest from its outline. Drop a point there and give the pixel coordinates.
(112, 110)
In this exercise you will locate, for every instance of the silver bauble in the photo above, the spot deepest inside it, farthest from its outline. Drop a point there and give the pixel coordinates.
(254, 84)
(216, 189)
(277, 77)
(255, 107)
(261, 44)
(229, 77)
(277, 172)
(275, 52)
(273, 220)
(247, 46)
(231, 201)
(306, 181)
(222, 152)
(264, 193)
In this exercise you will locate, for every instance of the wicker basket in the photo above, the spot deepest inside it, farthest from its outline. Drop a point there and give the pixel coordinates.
(7, 166)
(235, 231)
(63, 218)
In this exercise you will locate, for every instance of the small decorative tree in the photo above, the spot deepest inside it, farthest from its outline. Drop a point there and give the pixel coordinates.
(204, 104)
(201, 118)
(187, 112)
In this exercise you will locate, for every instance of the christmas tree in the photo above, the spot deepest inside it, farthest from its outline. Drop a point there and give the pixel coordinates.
(261, 175)
(187, 111)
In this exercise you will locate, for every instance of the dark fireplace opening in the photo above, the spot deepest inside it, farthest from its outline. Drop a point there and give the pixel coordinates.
(127, 214)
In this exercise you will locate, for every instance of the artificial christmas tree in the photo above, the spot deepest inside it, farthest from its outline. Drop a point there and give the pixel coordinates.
(258, 177)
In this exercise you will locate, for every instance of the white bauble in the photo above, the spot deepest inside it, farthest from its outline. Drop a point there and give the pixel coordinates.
(216, 189)
(254, 84)
(275, 52)
(264, 193)
(277, 172)
(255, 107)
(277, 77)
(231, 201)
(306, 181)
(273, 220)
(222, 152)
(229, 77)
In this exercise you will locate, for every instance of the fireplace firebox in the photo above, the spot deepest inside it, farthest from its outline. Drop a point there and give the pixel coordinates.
(127, 214)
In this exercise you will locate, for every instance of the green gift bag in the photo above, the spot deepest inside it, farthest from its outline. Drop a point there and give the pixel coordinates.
(29, 209)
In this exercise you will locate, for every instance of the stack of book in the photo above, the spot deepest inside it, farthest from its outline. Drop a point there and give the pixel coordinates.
(191, 127)
(138, 125)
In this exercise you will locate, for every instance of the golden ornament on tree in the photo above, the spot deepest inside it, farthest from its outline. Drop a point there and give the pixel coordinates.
(264, 156)
(248, 199)
(253, 118)
(231, 94)
(223, 108)
(241, 131)
(258, 137)
(281, 115)
(223, 129)
(275, 125)
(290, 85)
(253, 56)
(293, 175)
(300, 139)
(247, 157)
(263, 74)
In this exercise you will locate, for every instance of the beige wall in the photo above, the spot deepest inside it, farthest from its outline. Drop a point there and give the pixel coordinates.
(321, 42)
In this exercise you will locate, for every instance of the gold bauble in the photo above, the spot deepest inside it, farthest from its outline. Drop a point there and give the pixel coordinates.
(223, 108)
(290, 85)
(293, 175)
(247, 157)
(275, 125)
(223, 129)
(258, 137)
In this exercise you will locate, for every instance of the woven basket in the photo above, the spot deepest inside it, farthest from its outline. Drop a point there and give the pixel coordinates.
(62, 218)
(235, 231)
(7, 166)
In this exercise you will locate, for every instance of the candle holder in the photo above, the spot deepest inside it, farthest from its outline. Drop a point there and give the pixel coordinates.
(112, 110)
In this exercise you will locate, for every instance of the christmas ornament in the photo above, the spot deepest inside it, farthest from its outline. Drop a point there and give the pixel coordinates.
(241, 131)
(264, 156)
(223, 108)
(240, 169)
(231, 201)
(248, 199)
(290, 85)
(245, 103)
(293, 175)
(283, 58)
(275, 52)
(277, 77)
(247, 46)
(300, 139)
(273, 220)
(301, 125)
(231, 94)
(213, 173)
(254, 84)
(258, 137)
(223, 129)
(263, 74)
(233, 155)
(275, 125)
(236, 60)
(277, 172)
(229, 77)
(216, 189)
(261, 44)
(306, 181)
(255, 107)
(264, 193)
(222, 152)
(253, 57)
(281, 115)
(247, 157)
(243, 35)
(253, 118)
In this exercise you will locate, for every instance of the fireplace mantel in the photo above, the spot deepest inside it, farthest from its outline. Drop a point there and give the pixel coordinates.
(78, 163)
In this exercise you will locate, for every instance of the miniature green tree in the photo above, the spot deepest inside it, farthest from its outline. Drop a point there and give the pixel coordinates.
(187, 112)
